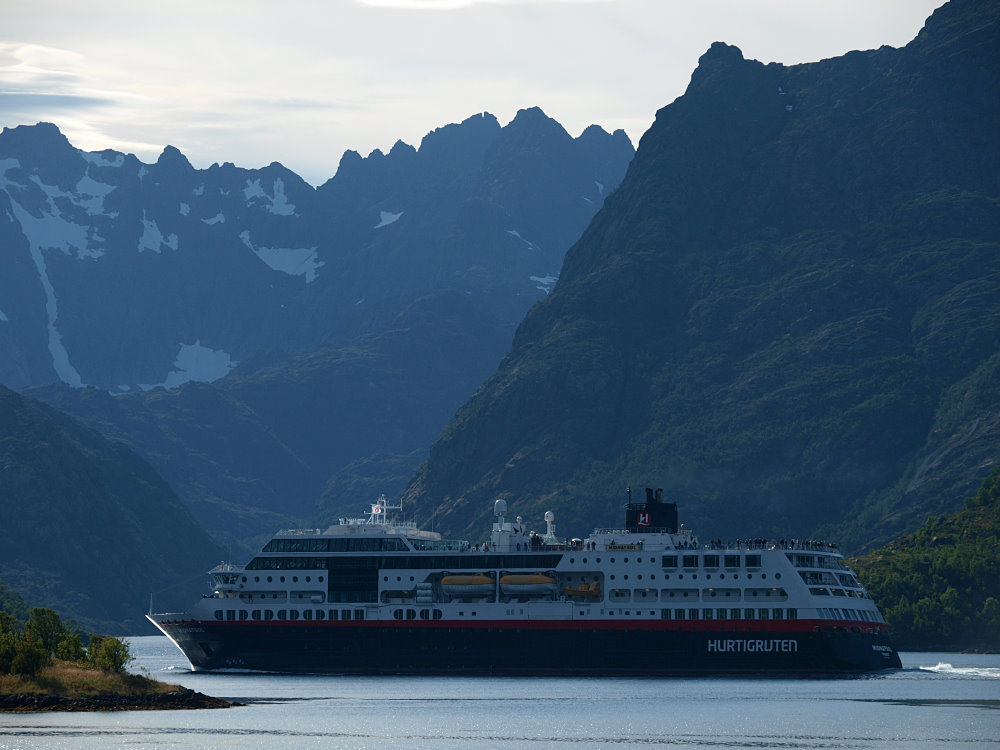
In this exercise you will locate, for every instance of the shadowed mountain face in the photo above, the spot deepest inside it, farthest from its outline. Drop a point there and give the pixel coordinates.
(90, 529)
(361, 314)
(787, 316)
(124, 275)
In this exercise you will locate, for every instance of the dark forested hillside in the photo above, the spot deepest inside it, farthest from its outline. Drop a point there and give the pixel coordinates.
(787, 316)
(89, 529)
(939, 588)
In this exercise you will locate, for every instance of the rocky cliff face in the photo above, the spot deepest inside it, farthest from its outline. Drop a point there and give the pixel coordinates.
(787, 316)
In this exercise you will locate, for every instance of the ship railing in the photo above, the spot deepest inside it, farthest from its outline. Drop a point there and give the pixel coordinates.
(767, 544)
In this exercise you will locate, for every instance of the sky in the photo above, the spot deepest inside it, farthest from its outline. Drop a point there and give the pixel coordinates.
(302, 81)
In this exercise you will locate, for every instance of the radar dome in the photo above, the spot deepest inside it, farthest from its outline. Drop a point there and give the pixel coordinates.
(500, 507)
(549, 516)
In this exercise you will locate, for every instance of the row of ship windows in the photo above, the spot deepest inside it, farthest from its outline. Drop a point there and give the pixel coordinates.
(691, 613)
(731, 613)
(232, 615)
(839, 592)
(651, 595)
(692, 561)
(711, 561)
(837, 613)
(693, 576)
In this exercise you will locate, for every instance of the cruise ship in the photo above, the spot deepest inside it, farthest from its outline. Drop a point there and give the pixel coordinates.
(374, 595)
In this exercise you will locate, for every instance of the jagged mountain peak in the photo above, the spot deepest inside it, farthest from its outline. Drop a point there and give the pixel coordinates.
(172, 158)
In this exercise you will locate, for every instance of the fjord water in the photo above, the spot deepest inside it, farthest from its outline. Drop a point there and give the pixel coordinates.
(937, 701)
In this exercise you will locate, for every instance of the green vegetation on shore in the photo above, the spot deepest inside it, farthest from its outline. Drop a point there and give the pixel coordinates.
(44, 665)
(939, 587)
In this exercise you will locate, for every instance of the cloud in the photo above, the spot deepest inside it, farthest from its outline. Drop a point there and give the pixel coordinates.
(457, 4)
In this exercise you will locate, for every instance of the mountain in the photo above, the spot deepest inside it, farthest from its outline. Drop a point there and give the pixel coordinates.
(311, 379)
(89, 528)
(787, 315)
(254, 451)
(124, 275)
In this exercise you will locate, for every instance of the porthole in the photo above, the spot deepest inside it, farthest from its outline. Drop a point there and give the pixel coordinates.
(282, 579)
(694, 576)
(708, 576)
(640, 576)
(612, 576)
(295, 579)
(256, 579)
(763, 575)
(626, 559)
(585, 559)
(244, 579)
(722, 575)
(572, 559)
(612, 559)
(625, 576)
(308, 579)
(385, 578)
(598, 559)
(320, 579)
(269, 579)
(777, 575)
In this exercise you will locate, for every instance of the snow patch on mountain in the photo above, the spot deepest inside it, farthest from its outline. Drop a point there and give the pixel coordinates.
(295, 261)
(90, 195)
(3, 317)
(515, 233)
(545, 283)
(185, 209)
(41, 233)
(52, 229)
(152, 238)
(219, 218)
(279, 203)
(95, 157)
(200, 190)
(386, 218)
(196, 362)
(253, 190)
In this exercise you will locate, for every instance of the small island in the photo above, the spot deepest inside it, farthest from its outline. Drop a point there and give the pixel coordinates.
(44, 666)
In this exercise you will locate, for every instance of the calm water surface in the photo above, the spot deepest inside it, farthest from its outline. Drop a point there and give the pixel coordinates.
(937, 701)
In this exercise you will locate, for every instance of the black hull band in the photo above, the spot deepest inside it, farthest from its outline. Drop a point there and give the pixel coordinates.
(512, 649)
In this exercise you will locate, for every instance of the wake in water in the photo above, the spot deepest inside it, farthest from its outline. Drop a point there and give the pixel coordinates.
(948, 670)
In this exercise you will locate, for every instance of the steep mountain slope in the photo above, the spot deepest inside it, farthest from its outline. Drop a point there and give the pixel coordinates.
(123, 275)
(89, 528)
(252, 452)
(787, 316)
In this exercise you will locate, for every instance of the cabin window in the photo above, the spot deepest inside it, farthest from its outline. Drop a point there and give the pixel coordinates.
(218, 614)
(669, 561)
(268, 614)
(692, 614)
(359, 614)
(690, 561)
(320, 614)
(282, 614)
(678, 614)
(711, 561)
(732, 561)
(753, 561)
(763, 614)
(749, 614)
(706, 614)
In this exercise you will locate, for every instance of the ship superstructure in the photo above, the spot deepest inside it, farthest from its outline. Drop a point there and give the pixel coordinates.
(376, 595)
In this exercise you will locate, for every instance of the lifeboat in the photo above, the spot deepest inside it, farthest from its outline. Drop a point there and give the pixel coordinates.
(527, 584)
(584, 590)
(468, 585)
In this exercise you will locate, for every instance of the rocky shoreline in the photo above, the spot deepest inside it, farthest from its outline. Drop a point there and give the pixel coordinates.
(177, 699)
